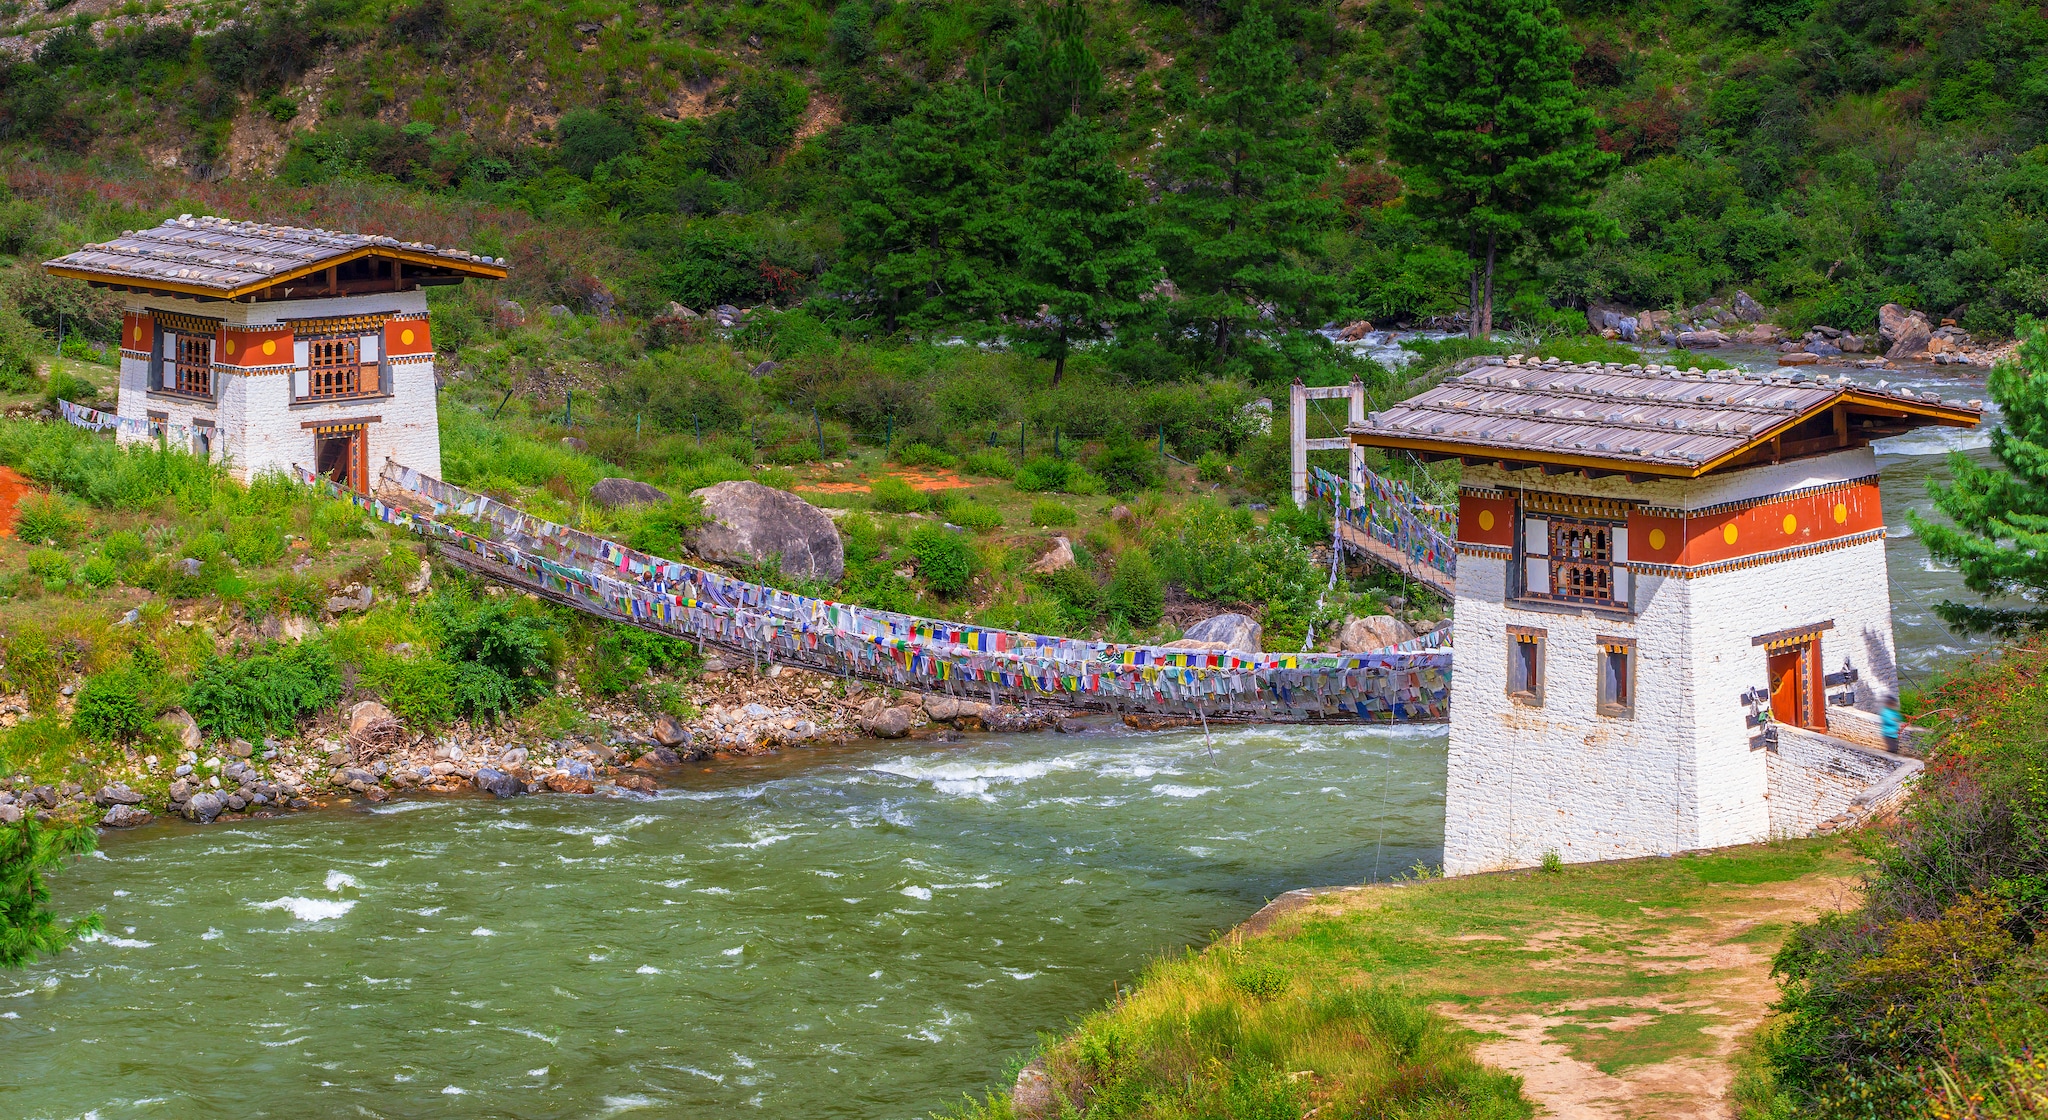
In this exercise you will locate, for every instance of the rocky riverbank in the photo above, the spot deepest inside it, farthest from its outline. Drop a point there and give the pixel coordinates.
(364, 752)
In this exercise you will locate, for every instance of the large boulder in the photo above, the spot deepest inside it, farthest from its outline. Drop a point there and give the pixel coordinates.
(746, 523)
(1060, 555)
(204, 807)
(1363, 635)
(184, 726)
(497, 783)
(1223, 632)
(612, 493)
(1604, 316)
(1903, 332)
(126, 816)
(1746, 309)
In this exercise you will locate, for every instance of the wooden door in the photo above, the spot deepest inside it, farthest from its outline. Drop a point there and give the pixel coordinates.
(1785, 705)
(342, 454)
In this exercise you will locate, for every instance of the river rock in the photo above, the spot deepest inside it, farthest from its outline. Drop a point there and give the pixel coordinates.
(186, 728)
(126, 816)
(1362, 635)
(1760, 334)
(884, 722)
(240, 748)
(1232, 631)
(366, 713)
(118, 795)
(10, 814)
(1060, 555)
(1702, 340)
(669, 732)
(748, 523)
(1746, 308)
(1904, 333)
(204, 807)
(560, 782)
(358, 780)
(498, 784)
(612, 493)
(658, 758)
(940, 708)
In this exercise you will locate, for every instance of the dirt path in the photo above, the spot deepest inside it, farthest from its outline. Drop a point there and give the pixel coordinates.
(1591, 1057)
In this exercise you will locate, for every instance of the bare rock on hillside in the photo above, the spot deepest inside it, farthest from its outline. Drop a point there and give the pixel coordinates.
(1060, 555)
(1224, 631)
(747, 523)
(1746, 308)
(1363, 635)
(180, 721)
(612, 493)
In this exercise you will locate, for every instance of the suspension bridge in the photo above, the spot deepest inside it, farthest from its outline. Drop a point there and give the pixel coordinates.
(764, 624)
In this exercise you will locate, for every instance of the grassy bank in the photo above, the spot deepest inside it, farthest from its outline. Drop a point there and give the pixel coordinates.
(1576, 988)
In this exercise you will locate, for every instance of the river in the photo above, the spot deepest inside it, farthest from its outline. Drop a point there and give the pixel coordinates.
(862, 931)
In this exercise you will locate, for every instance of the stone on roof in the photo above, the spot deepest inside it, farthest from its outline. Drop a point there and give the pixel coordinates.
(224, 255)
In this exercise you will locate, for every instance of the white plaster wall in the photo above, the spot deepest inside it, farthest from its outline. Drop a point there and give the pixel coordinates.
(410, 433)
(1814, 778)
(1681, 773)
(1563, 777)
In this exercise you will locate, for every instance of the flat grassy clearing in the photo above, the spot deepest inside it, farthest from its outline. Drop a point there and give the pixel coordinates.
(1620, 990)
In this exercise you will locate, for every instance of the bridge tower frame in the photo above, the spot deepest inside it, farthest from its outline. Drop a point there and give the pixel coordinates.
(1299, 445)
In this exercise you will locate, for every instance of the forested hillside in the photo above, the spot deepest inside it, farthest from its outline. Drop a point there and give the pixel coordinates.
(1828, 155)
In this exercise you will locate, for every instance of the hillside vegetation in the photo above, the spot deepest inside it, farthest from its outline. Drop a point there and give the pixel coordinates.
(1827, 154)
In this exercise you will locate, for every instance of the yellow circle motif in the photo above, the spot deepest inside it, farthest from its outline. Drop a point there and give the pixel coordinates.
(405, 337)
(1728, 533)
(138, 332)
(270, 346)
(231, 348)
(1486, 519)
(1791, 524)
(1656, 538)
(1841, 514)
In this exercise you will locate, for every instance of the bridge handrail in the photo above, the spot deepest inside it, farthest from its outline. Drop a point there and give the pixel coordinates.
(1395, 517)
(1407, 682)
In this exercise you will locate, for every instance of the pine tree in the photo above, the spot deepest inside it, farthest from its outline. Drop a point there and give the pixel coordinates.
(27, 927)
(1240, 219)
(1999, 539)
(1498, 149)
(926, 230)
(1082, 253)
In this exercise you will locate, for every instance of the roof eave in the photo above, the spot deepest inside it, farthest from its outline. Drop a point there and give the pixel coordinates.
(472, 269)
(1527, 455)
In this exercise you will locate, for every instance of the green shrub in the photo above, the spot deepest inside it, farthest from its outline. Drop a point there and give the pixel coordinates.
(1212, 467)
(255, 541)
(660, 529)
(1041, 473)
(124, 546)
(68, 386)
(893, 495)
(503, 653)
(1127, 465)
(623, 655)
(979, 517)
(290, 594)
(46, 519)
(111, 707)
(944, 562)
(990, 464)
(247, 696)
(341, 520)
(924, 455)
(1048, 513)
(19, 342)
(419, 690)
(1079, 596)
(51, 566)
(1136, 593)
(99, 572)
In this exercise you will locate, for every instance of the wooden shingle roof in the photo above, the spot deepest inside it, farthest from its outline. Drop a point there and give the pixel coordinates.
(1649, 420)
(220, 257)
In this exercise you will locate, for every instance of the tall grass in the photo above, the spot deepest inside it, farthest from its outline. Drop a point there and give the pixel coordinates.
(1237, 1033)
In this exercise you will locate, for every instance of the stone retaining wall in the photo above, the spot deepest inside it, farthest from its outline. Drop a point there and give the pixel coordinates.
(1821, 784)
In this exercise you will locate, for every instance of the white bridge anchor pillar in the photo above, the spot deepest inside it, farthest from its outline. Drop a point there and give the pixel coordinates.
(1298, 396)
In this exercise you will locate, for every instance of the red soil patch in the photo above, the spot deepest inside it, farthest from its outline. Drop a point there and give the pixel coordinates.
(13, 488)
(920, 479)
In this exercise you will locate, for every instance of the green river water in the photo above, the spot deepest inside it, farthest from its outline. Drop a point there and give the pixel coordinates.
(864, 931)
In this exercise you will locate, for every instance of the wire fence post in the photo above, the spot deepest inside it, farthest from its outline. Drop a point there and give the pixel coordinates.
(698, 418)
(1162, 445)
(569, 409)
(820, 424)
(636, 425)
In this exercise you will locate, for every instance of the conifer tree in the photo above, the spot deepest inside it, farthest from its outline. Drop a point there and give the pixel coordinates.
(927, 242)
(1240, 220)
(28, 851)
(1082, 251)
(1497, 147)
(1999, 539)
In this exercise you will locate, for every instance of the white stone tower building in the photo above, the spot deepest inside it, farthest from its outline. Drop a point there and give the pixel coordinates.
(1673, 618)
(270, 346)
